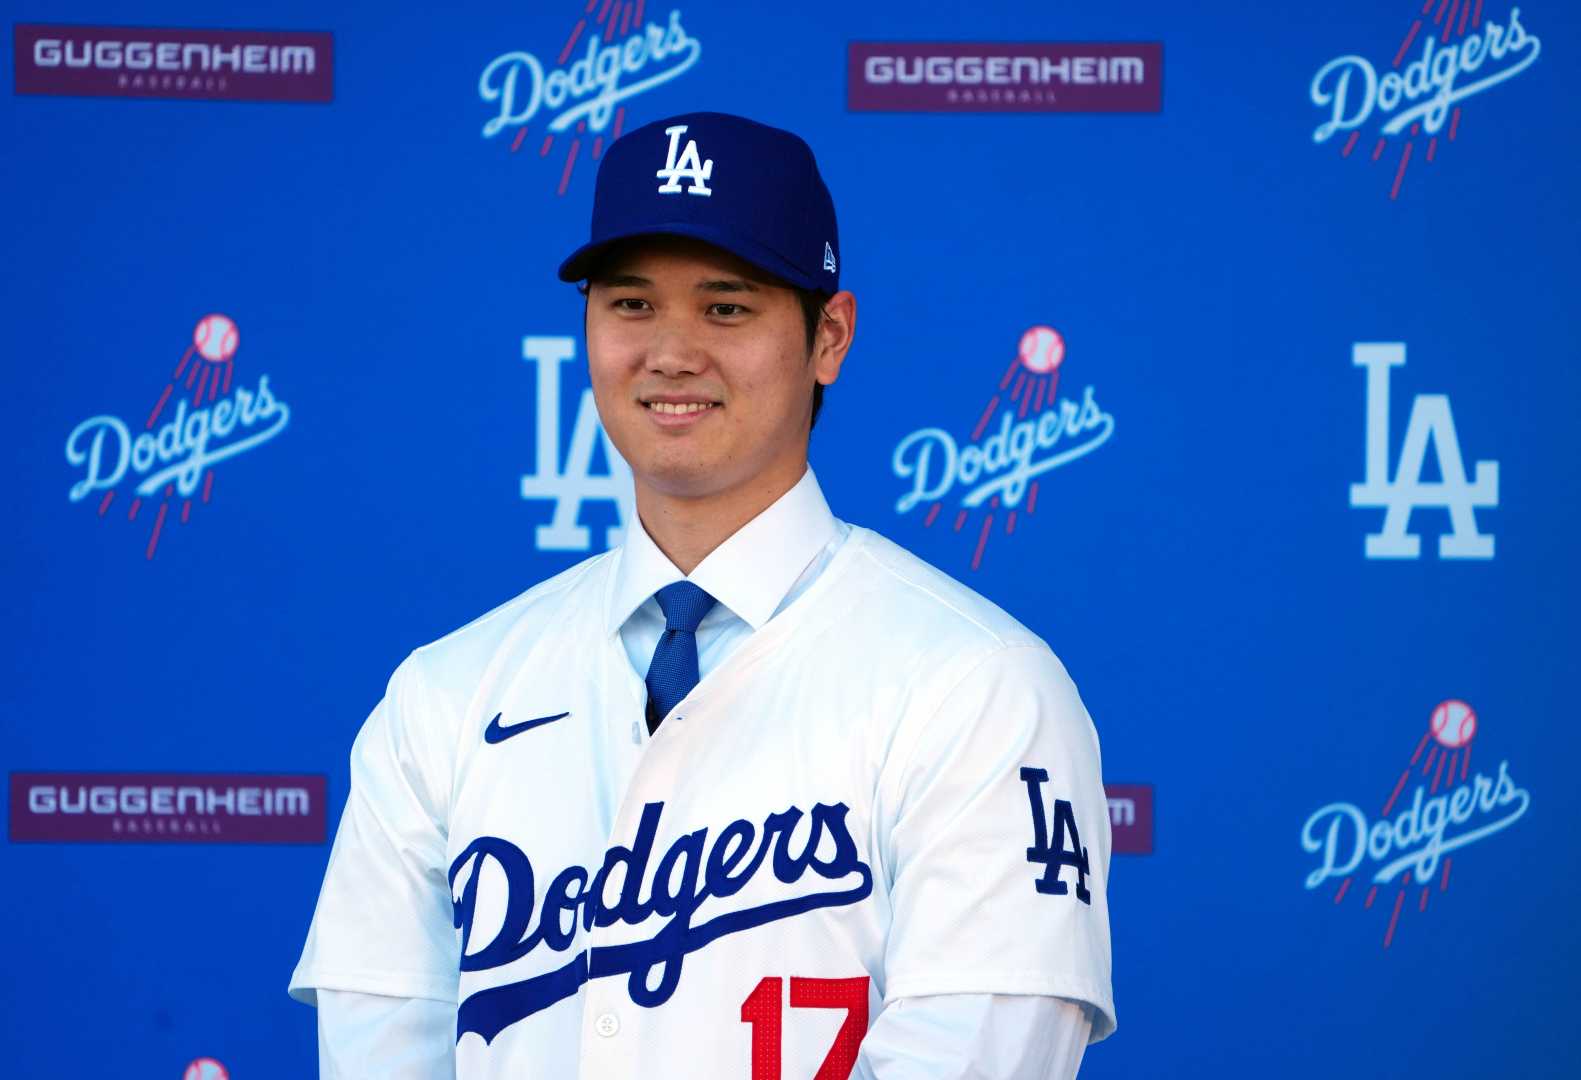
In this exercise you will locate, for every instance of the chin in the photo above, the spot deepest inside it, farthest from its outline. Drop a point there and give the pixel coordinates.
(683, 476)
(690, 481)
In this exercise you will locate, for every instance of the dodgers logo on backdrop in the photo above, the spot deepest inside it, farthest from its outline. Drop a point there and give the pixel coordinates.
(1407, 857)
(1430, 422)
(686, 882)
(175, 460)
(995, 478)
(1457, 56)
(572, 482)
(623, 56)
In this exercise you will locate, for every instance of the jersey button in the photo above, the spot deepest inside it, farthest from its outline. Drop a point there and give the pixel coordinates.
(607, 1025)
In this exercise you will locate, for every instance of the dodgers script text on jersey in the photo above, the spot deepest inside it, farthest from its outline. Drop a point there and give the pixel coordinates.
(906, 801)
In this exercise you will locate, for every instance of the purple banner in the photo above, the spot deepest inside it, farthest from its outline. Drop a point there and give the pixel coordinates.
(1131, 818)
(939, 76)
(216, 65)
(192, 808)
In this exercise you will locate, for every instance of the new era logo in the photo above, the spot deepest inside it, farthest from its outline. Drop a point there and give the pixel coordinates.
(689, 166)
(828, 257)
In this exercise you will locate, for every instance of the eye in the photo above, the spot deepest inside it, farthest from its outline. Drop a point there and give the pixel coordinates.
(629, 303)
(727, 310)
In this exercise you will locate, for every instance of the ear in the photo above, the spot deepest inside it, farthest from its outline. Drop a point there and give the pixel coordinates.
(833, 340)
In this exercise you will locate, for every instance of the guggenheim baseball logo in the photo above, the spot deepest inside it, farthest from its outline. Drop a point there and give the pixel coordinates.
(991, 479)
(169, 463)
(1130, 818)
(1021, 77)
(193, 808)
(618, 56)
(1448, 807)
(142, 62)
(1456, 56)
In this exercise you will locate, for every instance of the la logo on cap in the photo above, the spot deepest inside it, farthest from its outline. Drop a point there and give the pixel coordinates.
(690, 166)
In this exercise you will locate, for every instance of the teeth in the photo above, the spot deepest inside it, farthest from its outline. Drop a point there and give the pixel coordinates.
(679, 409)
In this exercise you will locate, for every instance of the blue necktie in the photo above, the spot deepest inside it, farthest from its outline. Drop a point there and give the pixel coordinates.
(673, 672)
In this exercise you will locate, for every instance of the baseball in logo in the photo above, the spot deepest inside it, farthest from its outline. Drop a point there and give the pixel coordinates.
(206, 1068)
(198, 420)
(1454, 54)
(619, 54)
(990, 484)
(1399, 862)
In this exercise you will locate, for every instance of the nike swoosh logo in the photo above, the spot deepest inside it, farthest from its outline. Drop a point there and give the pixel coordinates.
(494, 733)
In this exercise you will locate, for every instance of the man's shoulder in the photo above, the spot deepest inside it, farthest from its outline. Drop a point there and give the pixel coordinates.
(461, 657)
(917, 601)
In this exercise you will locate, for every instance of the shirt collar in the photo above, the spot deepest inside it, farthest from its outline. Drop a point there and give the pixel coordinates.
(750, 573)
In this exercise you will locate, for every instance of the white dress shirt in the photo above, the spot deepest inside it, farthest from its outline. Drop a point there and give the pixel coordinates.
(754, 575)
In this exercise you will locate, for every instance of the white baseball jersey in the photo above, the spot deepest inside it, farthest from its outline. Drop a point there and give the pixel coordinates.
(889, 789)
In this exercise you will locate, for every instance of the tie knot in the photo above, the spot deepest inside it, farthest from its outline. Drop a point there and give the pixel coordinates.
(684, 606)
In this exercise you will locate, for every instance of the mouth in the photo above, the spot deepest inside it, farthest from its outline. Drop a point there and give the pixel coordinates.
(676, 413)
(679, 408)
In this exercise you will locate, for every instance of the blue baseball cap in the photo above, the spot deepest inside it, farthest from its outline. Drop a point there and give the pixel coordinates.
(750, 189)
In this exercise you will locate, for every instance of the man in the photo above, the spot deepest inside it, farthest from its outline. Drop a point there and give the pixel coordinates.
(757, 794)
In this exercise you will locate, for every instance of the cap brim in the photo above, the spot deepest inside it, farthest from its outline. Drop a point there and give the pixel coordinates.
(584, 258)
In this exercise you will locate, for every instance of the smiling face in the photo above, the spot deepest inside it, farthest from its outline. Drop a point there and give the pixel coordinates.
(701, 371)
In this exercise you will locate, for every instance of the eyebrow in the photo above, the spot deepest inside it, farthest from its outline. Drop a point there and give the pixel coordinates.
(637, 281)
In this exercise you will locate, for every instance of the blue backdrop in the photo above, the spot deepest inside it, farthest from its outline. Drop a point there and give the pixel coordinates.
(1210, 269)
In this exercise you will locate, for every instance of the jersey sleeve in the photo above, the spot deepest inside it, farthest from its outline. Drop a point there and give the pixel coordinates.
(994, 828)
(961, 1036)
(383, 924)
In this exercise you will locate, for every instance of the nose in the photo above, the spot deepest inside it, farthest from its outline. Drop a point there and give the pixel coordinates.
(674, 353)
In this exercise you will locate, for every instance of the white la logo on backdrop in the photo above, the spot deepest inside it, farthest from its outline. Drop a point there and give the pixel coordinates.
(691, 166)
(1430, 419)
(576, 483)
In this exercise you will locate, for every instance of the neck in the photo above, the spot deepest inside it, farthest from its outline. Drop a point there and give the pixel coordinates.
(688, 528)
